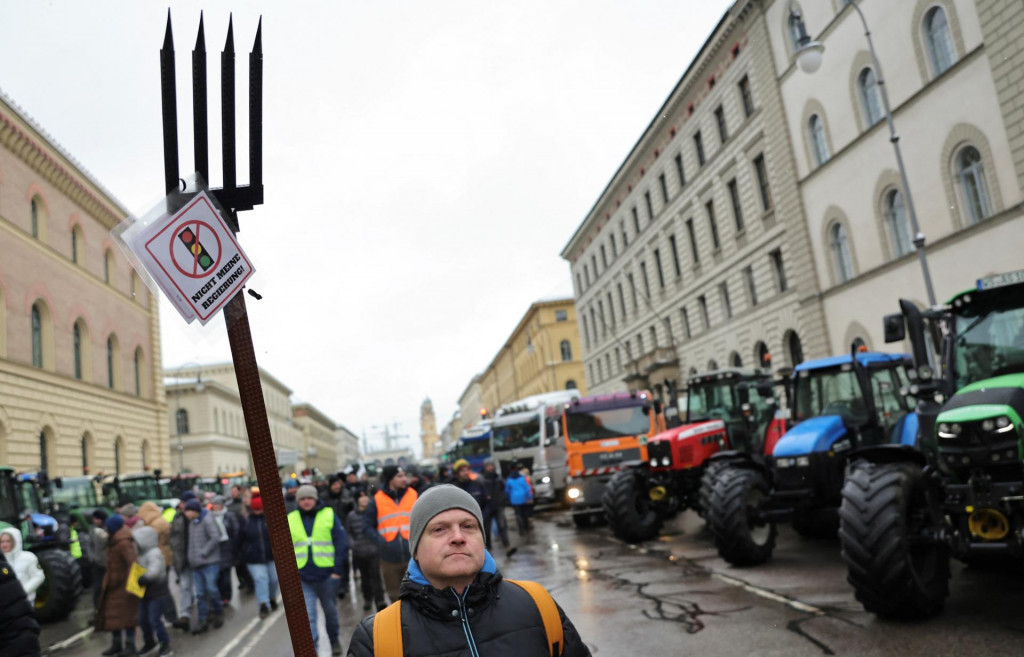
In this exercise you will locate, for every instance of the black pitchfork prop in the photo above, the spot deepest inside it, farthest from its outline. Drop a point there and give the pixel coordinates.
(236, 198)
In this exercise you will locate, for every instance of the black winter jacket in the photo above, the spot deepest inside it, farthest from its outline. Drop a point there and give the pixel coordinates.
(19, 629)
(502, 620)
(495, 486)
(254, 540)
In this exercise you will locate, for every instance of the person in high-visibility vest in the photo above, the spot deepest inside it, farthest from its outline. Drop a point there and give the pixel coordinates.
(321, 554)
(76, 547)
(387, 524)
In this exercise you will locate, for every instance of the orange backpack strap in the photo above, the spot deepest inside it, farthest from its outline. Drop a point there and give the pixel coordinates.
(387, 631)
(548, 613)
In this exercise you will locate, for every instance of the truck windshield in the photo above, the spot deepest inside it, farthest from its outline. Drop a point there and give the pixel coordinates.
(989, 345)
(134, 490)
(833, 391)
(517, 436)
(612, 423)
(473, 448)
(711, 400)
(75, 492)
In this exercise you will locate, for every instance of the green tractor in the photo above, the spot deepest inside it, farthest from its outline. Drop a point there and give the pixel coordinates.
(21, 508)
(121, 489)
(960, 492)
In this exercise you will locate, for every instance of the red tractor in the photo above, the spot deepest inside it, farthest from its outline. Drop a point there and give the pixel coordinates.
(730, 409)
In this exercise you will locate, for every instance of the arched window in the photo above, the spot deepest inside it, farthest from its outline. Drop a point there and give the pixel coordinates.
(111, 362)
(764, 358)
(137, 363)
(735, 360)
(566, 349)
(181, 419)
(971, 174)
(44, 452)
(939, 40)
(840, 245)
(869, 96)
(795, 349)
(570, 385)
(816, 128)
(35, 216)
(899, 229)
(693, 371)
(77, 336)
(712, 365)
(859, 344)
(108, 267)
(85, 453)
(654, 338)
(76, 242)
(37, 336)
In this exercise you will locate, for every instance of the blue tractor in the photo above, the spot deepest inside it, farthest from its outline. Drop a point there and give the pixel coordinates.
(837, 406)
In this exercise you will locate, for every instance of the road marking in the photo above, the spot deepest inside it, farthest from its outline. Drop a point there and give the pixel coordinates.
(61, 645)
(226, 650)
(770, 595)
(268, 622)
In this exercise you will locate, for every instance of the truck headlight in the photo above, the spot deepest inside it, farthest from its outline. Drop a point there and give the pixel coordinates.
(574, 493)
(545, 480)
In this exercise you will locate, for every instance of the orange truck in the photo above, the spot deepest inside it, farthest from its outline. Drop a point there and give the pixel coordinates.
(603, 432)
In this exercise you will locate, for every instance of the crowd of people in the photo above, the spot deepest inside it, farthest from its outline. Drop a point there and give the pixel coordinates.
(351, 524)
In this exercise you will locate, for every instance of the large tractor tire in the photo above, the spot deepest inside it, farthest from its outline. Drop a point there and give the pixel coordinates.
(895, 571)
(58, 594)
(741, 538)
(628, 507)
(707, 485)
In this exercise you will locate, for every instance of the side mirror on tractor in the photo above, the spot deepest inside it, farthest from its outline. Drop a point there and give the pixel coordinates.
(895, 329)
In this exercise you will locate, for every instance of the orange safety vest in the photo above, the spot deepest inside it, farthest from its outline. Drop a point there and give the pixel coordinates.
(394, 518)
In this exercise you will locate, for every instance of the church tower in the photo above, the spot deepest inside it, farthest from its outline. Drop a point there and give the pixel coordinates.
(428, 429)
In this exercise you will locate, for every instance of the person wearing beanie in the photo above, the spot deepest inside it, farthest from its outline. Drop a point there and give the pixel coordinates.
(365, 555)
(321, 554)
(451, 572)
(290, 486)
(495, 486)
(256, 555)
(339, 498)
(468, 481)
(179, 555)
(130, 513)
(387, 524)
(520, 496)
(204, 536)
(118, 610)
(229, 524)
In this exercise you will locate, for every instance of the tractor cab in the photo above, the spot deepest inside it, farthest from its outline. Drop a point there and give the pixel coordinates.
(119, 490)
(741, 399)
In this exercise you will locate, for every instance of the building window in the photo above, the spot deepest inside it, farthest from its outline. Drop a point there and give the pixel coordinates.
(37, 336)
(693, 241)
(899, 229)
(764, 358)
(939, 40)
(632, 289)
(611, 310)
(640, 345)
(664, 187)
(686, 322)
(137, 366)
(869, 96)
(710, 207)
(586, 332)
(636, 220)
(615, 249)
(85, 453)
(762, 182)
(657, 265)
(723, 290)
(625, 237)
(561, 315)
(698, 143)
(111, 362)
(44, 452)
(735, 360)
(593, 263)
(181, 419)
(600, 313)
(748, 99)
(702, 303)
(675, 255)
(816, 129)
(604, 257)
(840, 245)
(117, 455)
(618, 360)
(679, 170)
(971, 174)
(723, 131)
(650, 206)
(35, 218)
(748, 276)
(647, 284)
(622, 300)
(593, 323)
(75, 243)
(108, 267)
(737, 207)
(654, 338)
(566, 350)
(579, 284)
(76, 334)
(570, 385)
(796, 350)
(779, 269)
(586, 275)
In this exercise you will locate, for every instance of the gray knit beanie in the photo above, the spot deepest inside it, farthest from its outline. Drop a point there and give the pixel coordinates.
(435, 500)
(306, 491)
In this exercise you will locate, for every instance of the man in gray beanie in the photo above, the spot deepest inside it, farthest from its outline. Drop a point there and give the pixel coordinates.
(453, 593)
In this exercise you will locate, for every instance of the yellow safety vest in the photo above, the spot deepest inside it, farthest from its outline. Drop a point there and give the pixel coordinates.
(320, 541)
(169, 514)
(76, 546)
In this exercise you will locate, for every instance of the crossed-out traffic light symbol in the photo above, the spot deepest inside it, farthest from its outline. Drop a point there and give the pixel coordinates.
(200, 254)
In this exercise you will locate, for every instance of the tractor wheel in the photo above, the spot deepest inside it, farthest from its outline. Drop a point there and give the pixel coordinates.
(707, 485)
(628, 507)
(741, 539)
(896, 571)
(58, 594)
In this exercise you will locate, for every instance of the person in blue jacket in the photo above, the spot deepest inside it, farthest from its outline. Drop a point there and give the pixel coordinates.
(321, 554)
(520, 496)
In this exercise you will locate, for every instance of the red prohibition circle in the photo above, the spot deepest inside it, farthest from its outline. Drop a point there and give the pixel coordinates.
(191, 267)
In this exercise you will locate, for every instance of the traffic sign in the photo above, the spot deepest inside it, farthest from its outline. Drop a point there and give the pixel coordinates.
(194, 258)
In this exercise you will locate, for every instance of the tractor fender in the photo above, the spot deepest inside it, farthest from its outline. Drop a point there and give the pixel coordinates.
(889, 454)
(816, 434)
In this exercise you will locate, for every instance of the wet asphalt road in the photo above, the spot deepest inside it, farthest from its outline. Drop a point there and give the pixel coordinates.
(674, 596)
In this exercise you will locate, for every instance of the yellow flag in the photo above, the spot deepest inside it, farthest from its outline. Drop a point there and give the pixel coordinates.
(133, 586)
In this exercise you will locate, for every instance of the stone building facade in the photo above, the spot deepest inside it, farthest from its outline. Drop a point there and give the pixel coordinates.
(429, 438)
(696, 256)
(80, 375)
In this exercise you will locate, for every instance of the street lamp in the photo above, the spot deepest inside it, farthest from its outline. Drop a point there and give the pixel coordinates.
(177, 409)
(808, 57)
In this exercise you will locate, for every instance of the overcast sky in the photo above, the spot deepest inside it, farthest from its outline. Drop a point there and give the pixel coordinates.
(424, 164)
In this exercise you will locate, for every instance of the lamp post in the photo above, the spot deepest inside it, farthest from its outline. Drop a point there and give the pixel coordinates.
(177, 408)
(808, 58)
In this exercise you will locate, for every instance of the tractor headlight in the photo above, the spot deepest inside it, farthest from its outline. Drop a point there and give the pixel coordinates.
(665, 461)
(988, 425)
(956, 429)
(944, 431)
(803, 461)
(574, 493)
(1003, 424)
(784, 463)
(654, 462)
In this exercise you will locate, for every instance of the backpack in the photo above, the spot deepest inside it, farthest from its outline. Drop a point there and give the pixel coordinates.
(387, 624)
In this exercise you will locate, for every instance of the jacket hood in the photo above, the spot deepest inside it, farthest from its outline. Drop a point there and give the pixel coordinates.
(146, 537)
(202, 516)
(16, 535)
(149, 511)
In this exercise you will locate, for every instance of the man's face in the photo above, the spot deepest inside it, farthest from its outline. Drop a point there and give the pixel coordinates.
(451, 549)
(191, 515)
(217, 507)
(307, 503)
(351, 478)
(398, 482)
(336, 486)
(488, 468)
(463, 473)
(236, 492)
